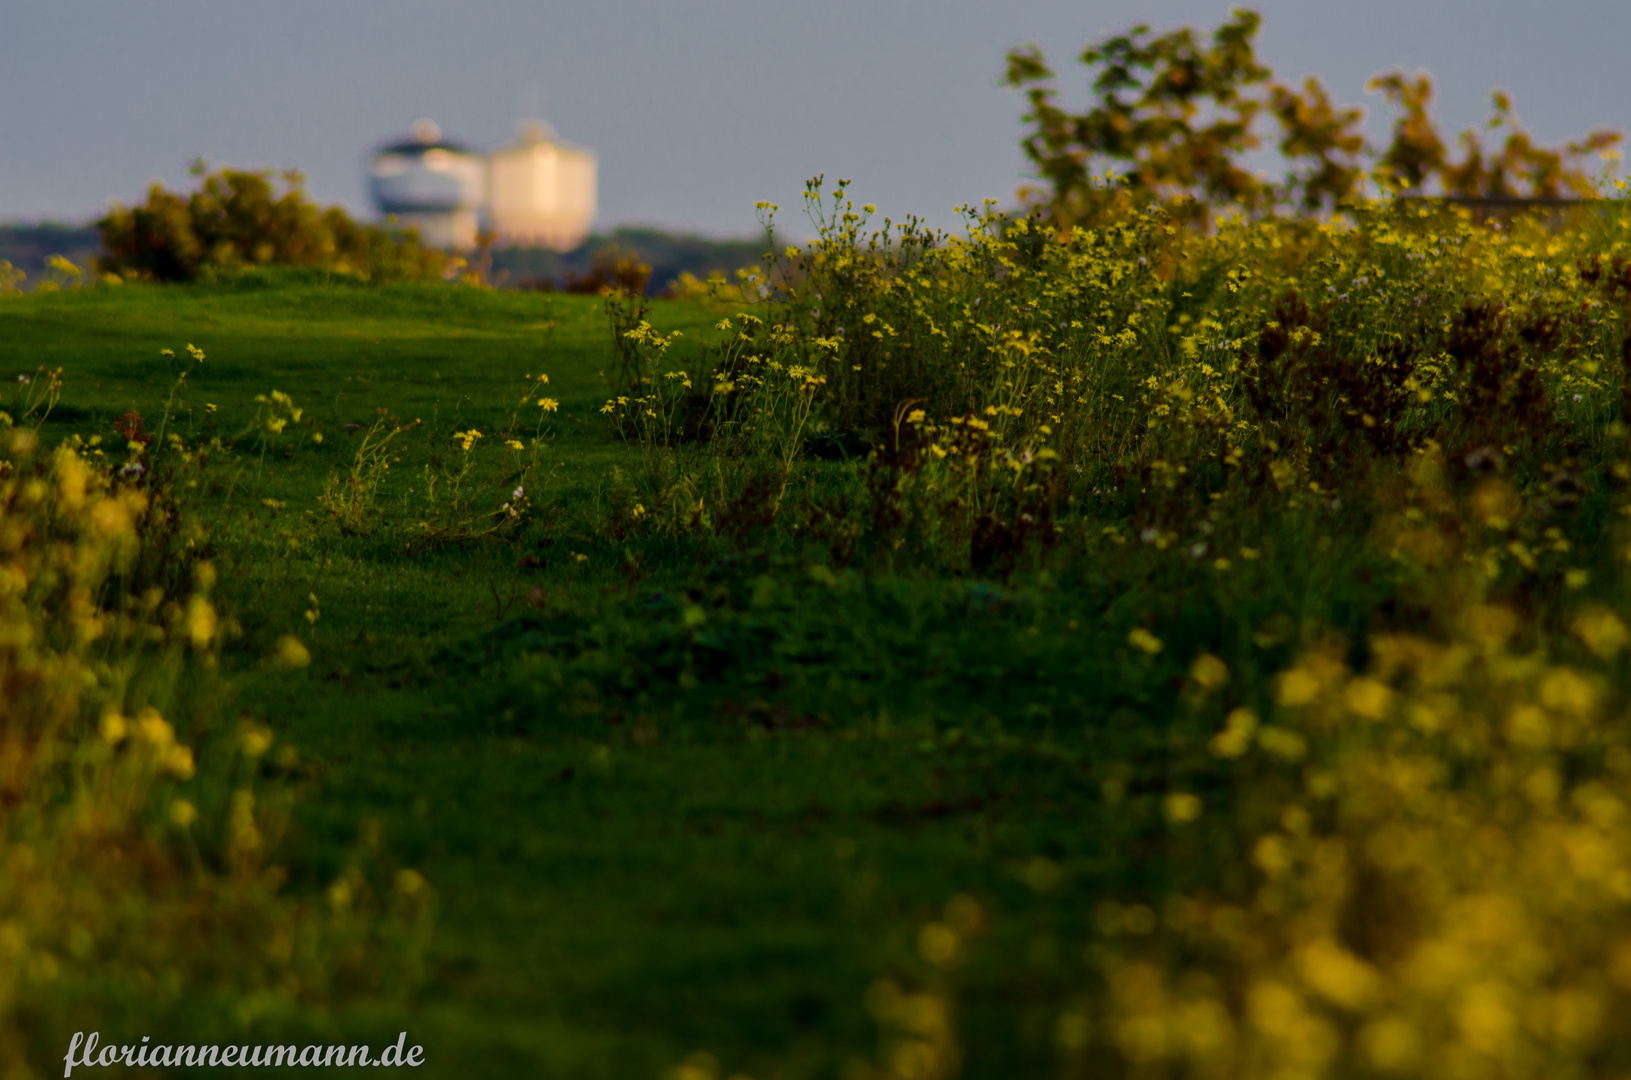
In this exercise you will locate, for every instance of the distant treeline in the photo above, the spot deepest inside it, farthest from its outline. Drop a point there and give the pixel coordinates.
(667, 254)
(27, 246)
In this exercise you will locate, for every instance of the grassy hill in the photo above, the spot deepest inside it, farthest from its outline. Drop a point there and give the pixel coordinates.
(649, 835)
(1088, 654)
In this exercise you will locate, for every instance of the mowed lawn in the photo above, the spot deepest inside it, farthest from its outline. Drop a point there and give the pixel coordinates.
(674, 794)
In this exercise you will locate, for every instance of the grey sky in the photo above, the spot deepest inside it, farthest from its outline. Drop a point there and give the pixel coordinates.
(697, 108)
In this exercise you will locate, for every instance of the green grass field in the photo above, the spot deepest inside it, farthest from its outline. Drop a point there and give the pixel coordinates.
(650, 834)
(1168, 673)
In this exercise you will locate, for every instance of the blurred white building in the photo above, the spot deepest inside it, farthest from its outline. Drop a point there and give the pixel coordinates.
(432, 184)
(537, 192)
(540, 191)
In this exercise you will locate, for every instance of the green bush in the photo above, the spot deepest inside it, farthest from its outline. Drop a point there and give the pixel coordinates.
(237, 219)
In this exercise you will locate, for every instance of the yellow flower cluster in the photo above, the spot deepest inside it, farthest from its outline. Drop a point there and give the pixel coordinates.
(106, 638)
(69, 705)
(1439, 848)
(1441, 888)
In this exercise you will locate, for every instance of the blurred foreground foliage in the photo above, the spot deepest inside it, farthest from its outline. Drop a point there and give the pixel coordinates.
(139, 823)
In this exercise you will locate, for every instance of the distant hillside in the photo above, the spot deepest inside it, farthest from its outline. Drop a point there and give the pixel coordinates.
(668, 254)
(27, 246)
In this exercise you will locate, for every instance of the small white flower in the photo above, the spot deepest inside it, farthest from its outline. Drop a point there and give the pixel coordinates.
(519, 492)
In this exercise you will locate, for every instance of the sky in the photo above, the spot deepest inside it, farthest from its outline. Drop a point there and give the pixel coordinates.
(697, 109)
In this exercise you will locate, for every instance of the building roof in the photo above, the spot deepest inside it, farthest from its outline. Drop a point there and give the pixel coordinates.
(426, 135)
(414, 147)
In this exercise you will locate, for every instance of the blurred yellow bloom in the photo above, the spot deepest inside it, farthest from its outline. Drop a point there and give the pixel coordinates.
(1297, 687)
(1368, 698)
(1209, 672)
(256, 740)
(1337, 974)
(1236, 737)
(201, 622)
(178, 760)
(1282, 743)
(1602, 631)
(114, 727)
(72, 479)
(1567, 691)
(291, 653)
(1182, 808)
(1141, 639)
(153, 728)
(1271, 856)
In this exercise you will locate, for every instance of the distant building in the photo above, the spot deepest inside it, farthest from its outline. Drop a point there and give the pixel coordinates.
(537, 192)
(431, 183)
(540, 191)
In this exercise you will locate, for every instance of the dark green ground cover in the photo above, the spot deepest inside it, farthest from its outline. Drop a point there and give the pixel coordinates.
(688, 794)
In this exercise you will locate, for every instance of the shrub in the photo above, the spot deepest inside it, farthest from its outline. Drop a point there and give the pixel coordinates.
(238, 219)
